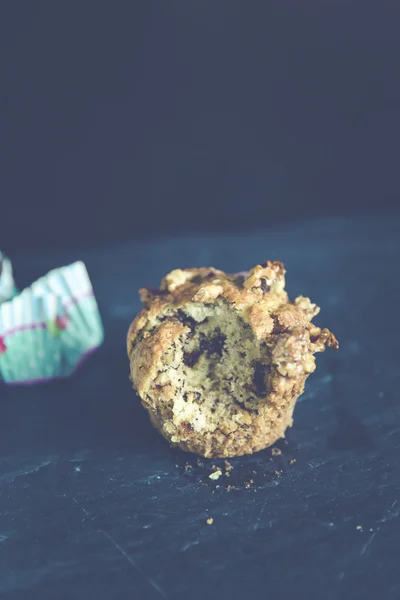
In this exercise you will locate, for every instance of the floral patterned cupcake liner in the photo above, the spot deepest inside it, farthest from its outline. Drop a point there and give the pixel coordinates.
(50, 328)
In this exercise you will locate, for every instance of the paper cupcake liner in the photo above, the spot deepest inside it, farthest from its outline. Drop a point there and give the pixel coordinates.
(81, 329)
(62, 311)
(30, 349)
(7, 285)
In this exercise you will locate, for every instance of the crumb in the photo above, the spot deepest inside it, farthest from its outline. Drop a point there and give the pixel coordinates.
(188, 467)
(359, 528)
(217, 486)
(230, 487)
(292, 461)
(216, 474)
(371, 528)
(279, 473)
(228, 466)
(227, 474)
(276, 451)
(210, 521)
(177, 466)
(254, 472)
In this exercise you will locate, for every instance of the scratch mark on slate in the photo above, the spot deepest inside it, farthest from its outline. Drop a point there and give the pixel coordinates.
(257, 523)
(189, 545)
(80, 506)
(391, 508)
(11, 477)
(130, 560)
(368, 542)
(390, 514)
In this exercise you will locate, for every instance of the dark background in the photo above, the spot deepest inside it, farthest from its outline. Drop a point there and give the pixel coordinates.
(122, 119)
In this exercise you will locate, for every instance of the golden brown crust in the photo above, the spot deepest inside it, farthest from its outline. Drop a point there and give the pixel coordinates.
(284, 329)
(145, 356)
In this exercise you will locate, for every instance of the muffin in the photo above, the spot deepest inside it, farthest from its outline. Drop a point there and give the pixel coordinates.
(219, 360)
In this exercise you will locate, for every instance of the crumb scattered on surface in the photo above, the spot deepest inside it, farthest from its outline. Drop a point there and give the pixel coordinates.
(217, 486)
(276, 451)
(188, 467)
(292, 461)
(359, 528)
(228, 466)
(230, 487)
(371, 528)
(215, 474)
(278, 473)
(227, 474)
(210, 521)
(200, 463)
(248, 484)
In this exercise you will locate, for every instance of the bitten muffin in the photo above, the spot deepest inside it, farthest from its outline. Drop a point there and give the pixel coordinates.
(219, 360)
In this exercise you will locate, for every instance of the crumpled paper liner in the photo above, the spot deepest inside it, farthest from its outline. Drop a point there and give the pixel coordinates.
(50, 328)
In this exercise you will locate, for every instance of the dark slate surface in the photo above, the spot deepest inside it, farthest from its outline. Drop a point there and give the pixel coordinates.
(94, 504)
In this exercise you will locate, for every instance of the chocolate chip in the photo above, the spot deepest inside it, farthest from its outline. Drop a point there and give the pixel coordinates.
(157, 292)
(186, 320)
(164, 318)
(208, 346)
(239, 280)
(259, 379)
(214, 344)
(191, 358)
(196, 279)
